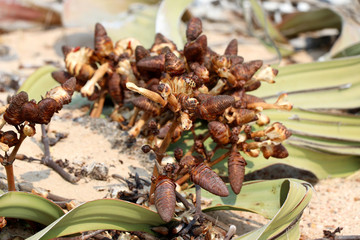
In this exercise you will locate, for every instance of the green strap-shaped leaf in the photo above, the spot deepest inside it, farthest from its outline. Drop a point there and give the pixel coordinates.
(146, 22)
(352, 50)
(168, 20)
(331, 84)
(350, 36)
(39, 82)
(101, 214)
(282, 201)
(300, 22)
(141, 25)
(336, 133)
(320, 160)
(29, 206)
(265, 22)
(260, 197)
(321, 164)
(281, 42)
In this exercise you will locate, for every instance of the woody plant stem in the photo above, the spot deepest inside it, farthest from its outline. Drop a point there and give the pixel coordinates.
(8, 164)
(47, 160)
(164, 145)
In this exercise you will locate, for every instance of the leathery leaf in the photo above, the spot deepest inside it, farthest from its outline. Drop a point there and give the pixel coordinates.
(30, 207)
(330, 84)
(101, 214)
(38, 83)
(282, 201)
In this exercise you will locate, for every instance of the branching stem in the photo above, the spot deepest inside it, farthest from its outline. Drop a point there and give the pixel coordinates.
(47, 160)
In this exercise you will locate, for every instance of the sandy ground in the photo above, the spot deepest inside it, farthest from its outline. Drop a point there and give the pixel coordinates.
(335, 204)
(83, 147)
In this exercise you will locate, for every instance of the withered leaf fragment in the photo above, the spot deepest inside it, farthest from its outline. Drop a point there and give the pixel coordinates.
(206, 178)
(165, 198)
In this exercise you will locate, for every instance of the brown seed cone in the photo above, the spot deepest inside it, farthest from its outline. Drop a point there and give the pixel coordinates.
(194, 29)
(12, 114)
(253, 86)
(146, 105)
(30, 111)
(153, 64)
(236, 60)
(164, 130)
(174, 65)
(220, 132)
(78, 63)
(246, 70)
(47, 108)
(69, 86)
(220, 61)
(159, 39)
(9, 138)
(95, 95)
(206, 178)
(189, 161)
(103, 44)
(195, 51)
(178, 154)
(248, 98)
(61, 76)
(232, 48)
(214, 106)
(66, 49)
(276, 151)
(115, 90)
(62, 94)
(141, 52)
(187, 103)
(202, 97)
(201, 71)
(165, 198)
(240, 116)
(236, 169)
